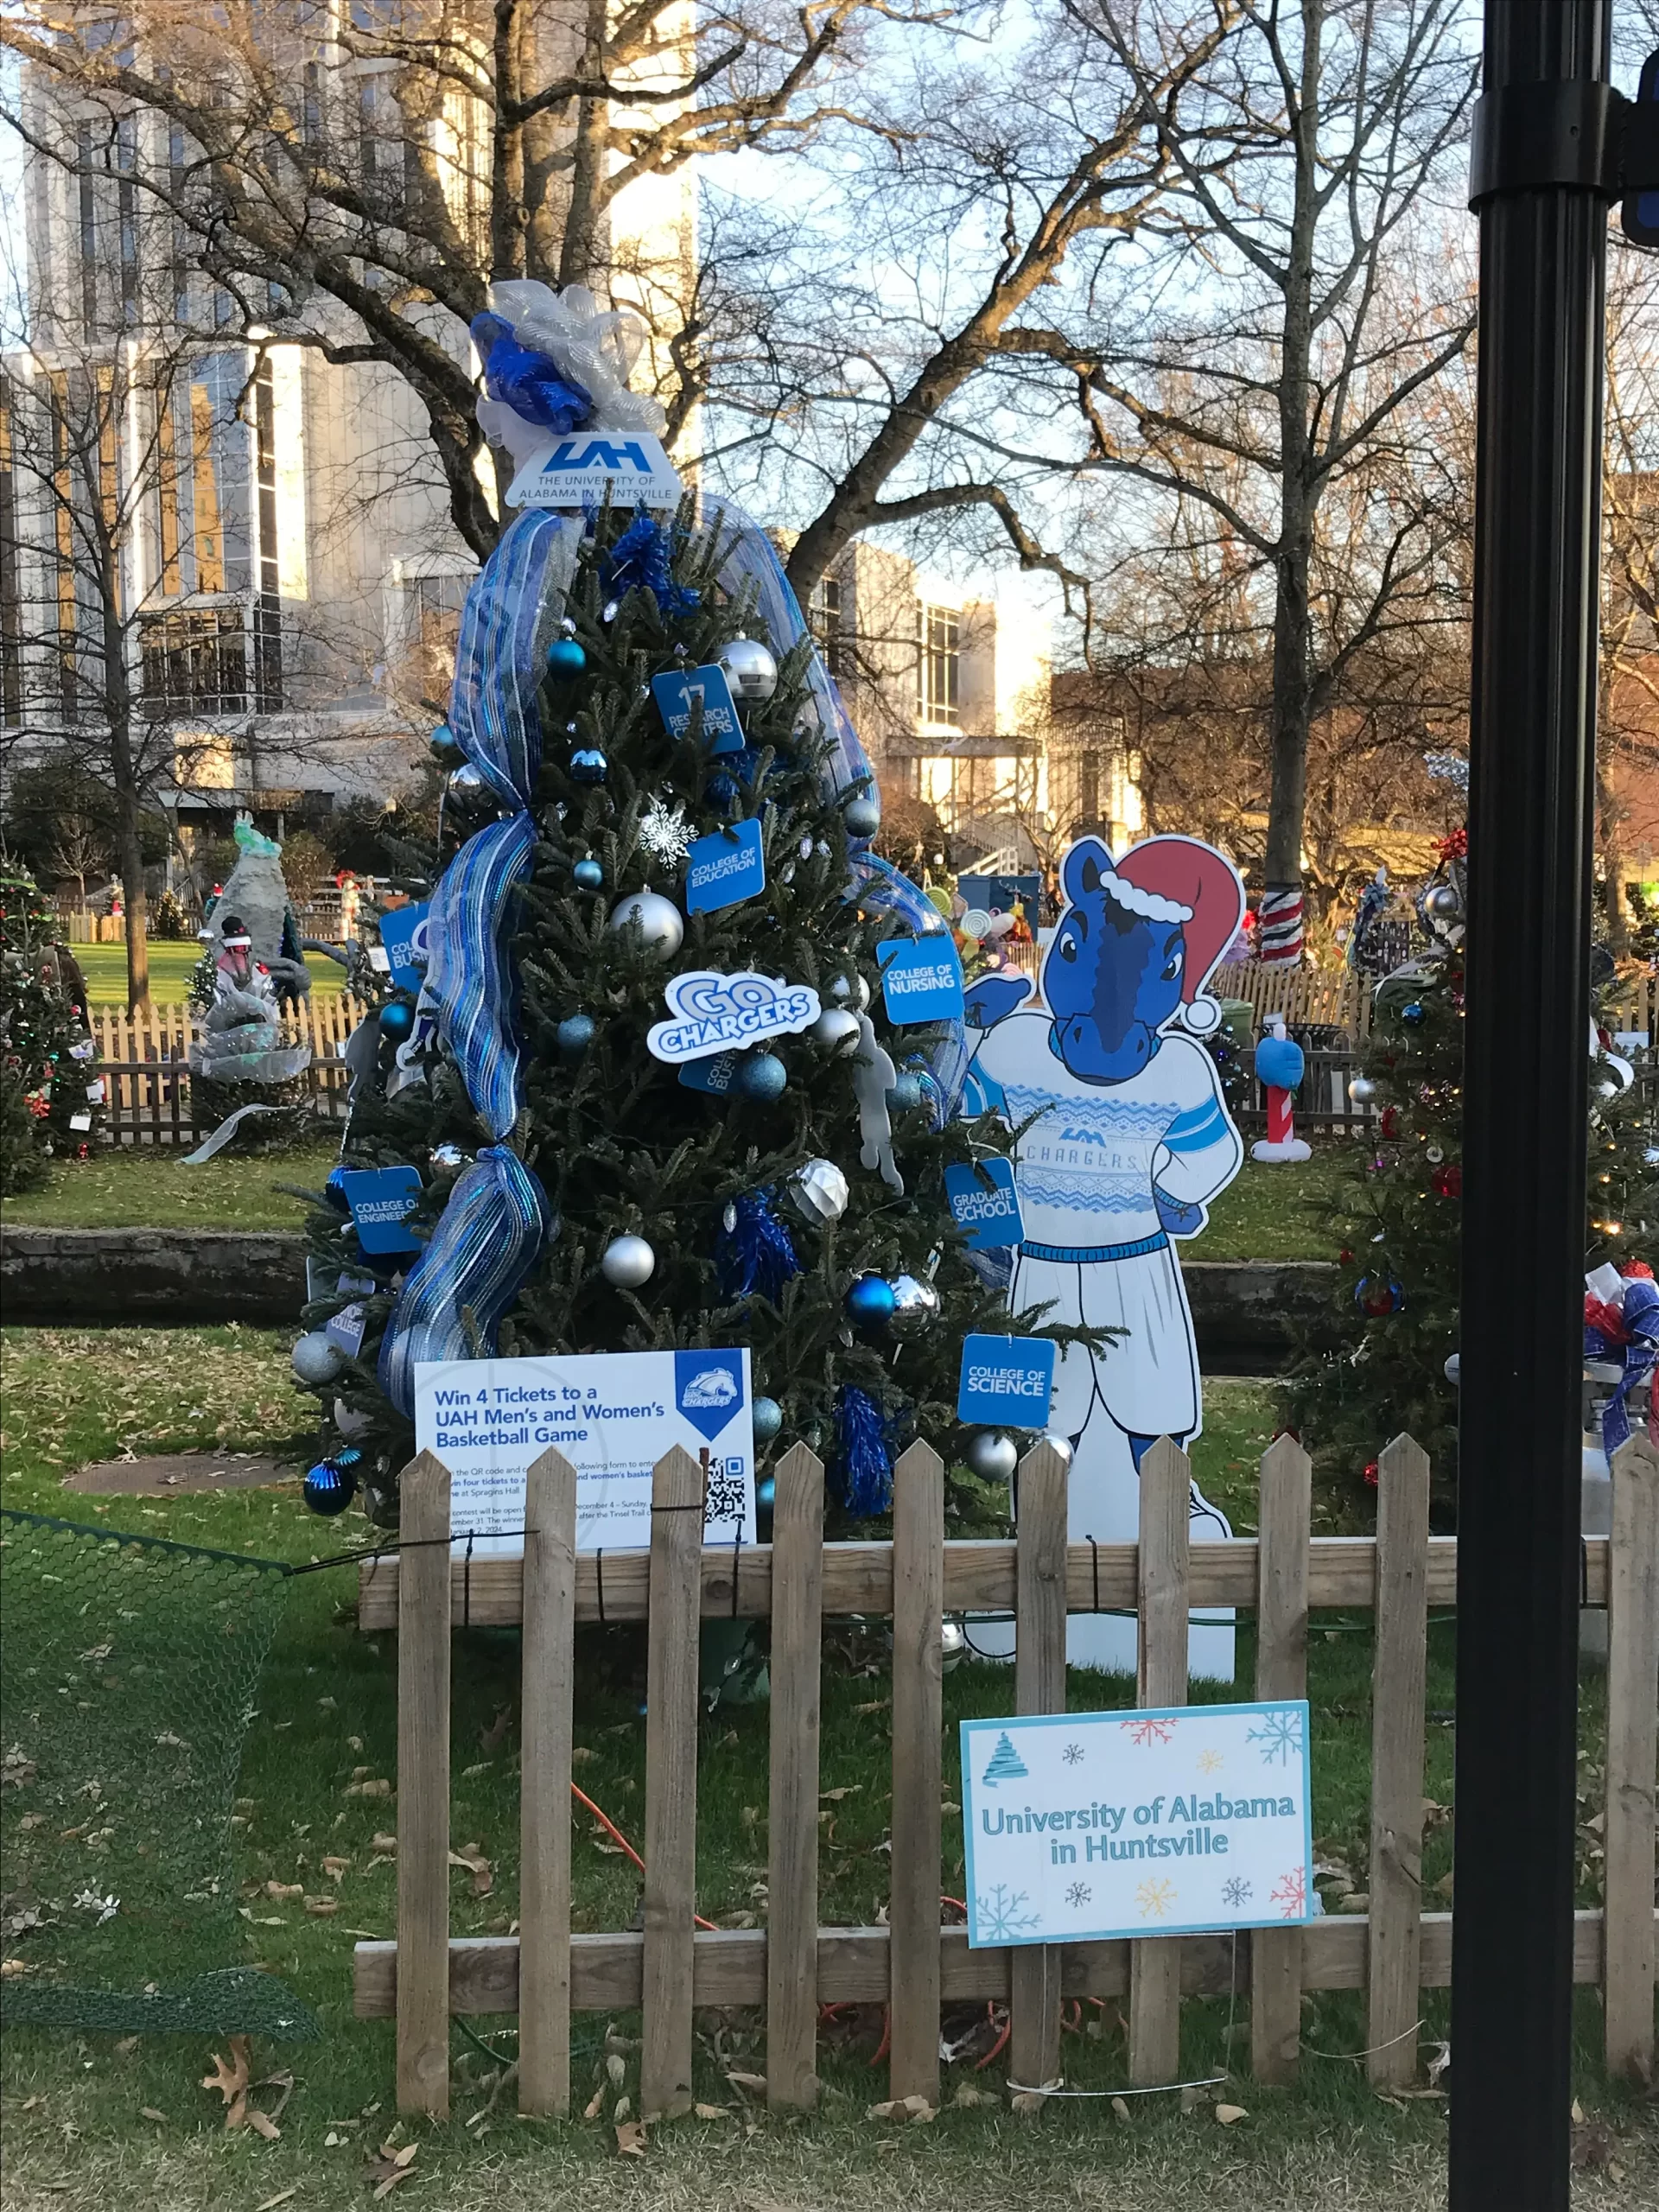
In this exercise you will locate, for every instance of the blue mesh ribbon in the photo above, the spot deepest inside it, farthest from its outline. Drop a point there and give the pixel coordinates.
(863, 1458)
(751, 564)
(511, 615)
(640, 562)
(495, 1222)
(470, 984)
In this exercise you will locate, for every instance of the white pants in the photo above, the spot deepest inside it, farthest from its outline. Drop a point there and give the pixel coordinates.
(1146, 1384)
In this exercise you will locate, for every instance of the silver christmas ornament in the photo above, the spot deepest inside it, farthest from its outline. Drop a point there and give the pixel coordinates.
(751, 671)
(447, 1155)
(953, 1644)
(628, 1261)
(818, 1192)
(466, 782)
(837, 1030)
(915, 1307)
(1361, 1090)
(1433, 1154)
(316, 1360)
(1454, 1367)
(1444, 903)
(660, 922)
(862, 817)
(851, 990)
(992, 1456)
(1055, 1442)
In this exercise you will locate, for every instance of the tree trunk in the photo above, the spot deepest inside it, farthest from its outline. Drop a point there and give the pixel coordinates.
(581, 255)
(1610, 814)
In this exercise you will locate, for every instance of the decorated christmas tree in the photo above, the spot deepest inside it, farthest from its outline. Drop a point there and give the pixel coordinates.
(1396, 1219)
(52, 1096)
(658, 1080)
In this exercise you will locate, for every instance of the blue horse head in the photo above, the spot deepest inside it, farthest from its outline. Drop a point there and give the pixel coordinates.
(1112, 976)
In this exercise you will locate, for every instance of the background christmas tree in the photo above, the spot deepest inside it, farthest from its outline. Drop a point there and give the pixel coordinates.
(739, 1198)
(1396, 1220)
(48, 1061)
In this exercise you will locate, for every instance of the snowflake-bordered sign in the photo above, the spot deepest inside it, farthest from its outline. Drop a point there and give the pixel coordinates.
(1072, 1755)
(1210, 1762)
(999, 1914)
(1236, 1891)
(1149, 1728)
(1154, 1896)
(1289, 1893)
(1279, 1737)
(1078, 1894)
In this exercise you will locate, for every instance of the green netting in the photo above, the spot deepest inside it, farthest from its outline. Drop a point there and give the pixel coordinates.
(128, 1670)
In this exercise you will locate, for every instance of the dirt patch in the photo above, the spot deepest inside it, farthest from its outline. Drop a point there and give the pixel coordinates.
(169, 1473)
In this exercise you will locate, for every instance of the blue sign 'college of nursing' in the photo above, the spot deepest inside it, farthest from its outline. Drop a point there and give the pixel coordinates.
(679, 691)
(984, 1202)
(921, 978)
(1006, 1382)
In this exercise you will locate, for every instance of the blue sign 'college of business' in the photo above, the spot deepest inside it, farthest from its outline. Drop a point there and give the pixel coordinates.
(403, 932)
(569, 472)
(1006, 1382)
(678, 690)
(725, 869)
(984, 1202)
(921, 978)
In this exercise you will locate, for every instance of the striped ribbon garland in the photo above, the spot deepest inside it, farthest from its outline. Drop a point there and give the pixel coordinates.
(1279, 925)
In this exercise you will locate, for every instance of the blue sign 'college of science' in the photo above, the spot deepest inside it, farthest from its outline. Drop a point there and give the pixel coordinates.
(1006, 1381)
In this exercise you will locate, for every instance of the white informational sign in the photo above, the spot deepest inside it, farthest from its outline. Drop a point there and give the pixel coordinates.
(572, 470)
(1082, 1826)
(613, 1415)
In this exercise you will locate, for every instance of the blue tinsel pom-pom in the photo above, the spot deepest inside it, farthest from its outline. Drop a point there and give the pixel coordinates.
(335, 1189)
(638, 562)
(757, 1253)
(863, 1461)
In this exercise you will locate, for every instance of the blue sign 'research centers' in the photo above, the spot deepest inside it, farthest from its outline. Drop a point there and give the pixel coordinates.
(984, 1202)
(380, 1198)
(678, 691)
(724, 869)
(921, 978)
(1006, 1381)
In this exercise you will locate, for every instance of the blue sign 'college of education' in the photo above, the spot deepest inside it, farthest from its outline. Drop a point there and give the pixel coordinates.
(921, 978)
(1006, 1381)
(725, 869)
(677, 692)
(984, 1202)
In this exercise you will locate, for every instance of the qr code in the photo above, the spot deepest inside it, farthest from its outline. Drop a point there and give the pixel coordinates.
(726, 1496)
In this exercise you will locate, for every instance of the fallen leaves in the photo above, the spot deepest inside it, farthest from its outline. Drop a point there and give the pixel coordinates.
(913, 2110)
(372, 1786)
(1229, 2115)
(632, 2141)
(471, 1856)
(392, 2166)
(233, 2079)
(281, 2197)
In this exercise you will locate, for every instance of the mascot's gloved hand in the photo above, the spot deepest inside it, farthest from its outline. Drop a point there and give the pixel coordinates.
(993, 998)
(1180, 1218)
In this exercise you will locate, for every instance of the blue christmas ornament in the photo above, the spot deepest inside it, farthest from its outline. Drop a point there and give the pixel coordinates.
(565, 657)
(766, 1498)
(863, 1459)
(330, 1486)
(396, 1019)
(1412, 1015)
(870, 1302)
(722, 790)
(529, 381)
(335, 1189)
(589, 764)
(761, 1076)
(446, 746)
(755, 1252)
(638, 562)
(768, 1418)
(905, 1094)
(575, 1034)
(589, 876)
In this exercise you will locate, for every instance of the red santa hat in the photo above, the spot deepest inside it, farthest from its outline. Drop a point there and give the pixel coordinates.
(1207, 888)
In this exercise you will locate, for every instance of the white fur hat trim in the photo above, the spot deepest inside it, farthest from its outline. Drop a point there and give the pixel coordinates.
(1150, 906)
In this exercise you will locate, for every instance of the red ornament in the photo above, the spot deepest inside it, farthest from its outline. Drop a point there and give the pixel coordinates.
(1346, 1255)
(1391, 1124)
(1448, 1180)
(1453, 847)
(1636, 1271)
(1371, 1473)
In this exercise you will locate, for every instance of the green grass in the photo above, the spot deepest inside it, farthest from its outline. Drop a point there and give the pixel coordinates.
(172, 963)
(1272, 1212)
(327, 1715)
(148, 1186)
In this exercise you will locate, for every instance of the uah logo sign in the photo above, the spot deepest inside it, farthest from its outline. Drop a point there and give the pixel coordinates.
(712, 1012)
(708, 1389)
(569, 472)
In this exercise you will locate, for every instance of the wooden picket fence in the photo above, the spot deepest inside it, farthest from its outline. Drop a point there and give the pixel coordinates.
(143, 1058)
(793, 1966)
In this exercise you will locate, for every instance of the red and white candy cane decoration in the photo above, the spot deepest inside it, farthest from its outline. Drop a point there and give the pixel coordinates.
(1279, 925)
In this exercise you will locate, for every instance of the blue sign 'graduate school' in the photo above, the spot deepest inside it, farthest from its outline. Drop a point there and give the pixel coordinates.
(984, 1202)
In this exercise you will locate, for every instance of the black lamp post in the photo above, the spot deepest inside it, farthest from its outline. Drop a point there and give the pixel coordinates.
(1553, 144)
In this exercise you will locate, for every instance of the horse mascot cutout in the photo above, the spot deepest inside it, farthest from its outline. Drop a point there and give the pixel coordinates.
(1124, 1139)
